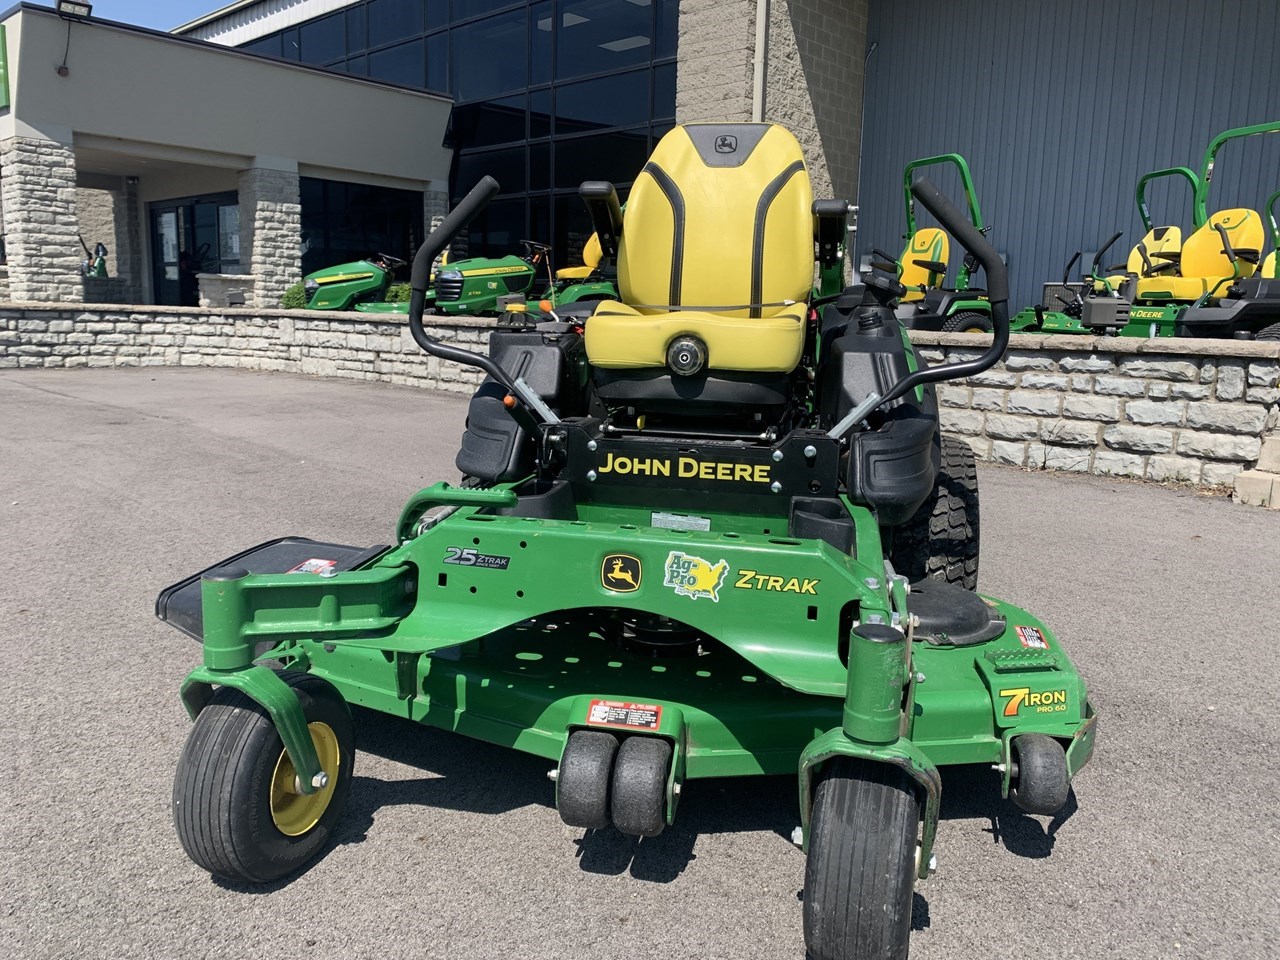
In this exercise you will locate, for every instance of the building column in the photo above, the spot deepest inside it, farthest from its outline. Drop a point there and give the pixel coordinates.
(38, 190)
(129, 252)
(271, 228)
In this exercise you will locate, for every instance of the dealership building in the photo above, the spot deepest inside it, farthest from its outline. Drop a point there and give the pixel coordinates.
(273, 137)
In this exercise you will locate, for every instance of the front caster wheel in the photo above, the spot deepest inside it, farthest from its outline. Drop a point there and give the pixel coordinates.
(862, 862)
(236, 805)
(640, 786)
(582, 783)
(1041, 783)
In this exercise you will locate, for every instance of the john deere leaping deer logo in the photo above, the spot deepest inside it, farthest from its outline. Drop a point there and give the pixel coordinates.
(694, 577)
(620, 572)
(726, 143)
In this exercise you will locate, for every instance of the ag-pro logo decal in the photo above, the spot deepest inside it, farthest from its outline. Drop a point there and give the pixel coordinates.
(694, 577)
(620, 572)
(1047, 701)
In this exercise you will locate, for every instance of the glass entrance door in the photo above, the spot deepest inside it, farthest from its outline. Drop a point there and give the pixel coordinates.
(191, 236)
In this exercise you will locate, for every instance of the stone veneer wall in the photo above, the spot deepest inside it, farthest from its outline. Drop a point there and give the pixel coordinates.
(270, 225)
(1200, 411)
(1189, 410)
(38, 184)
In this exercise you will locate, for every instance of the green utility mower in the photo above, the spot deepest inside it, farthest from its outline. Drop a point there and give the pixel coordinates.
(713, 531)
(478, 285)
(927, 303)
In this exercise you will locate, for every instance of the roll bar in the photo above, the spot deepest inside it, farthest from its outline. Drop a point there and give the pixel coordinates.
(1206, 173)
(1140, 194)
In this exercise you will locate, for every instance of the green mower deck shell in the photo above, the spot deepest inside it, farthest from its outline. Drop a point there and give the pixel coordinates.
(489, 626)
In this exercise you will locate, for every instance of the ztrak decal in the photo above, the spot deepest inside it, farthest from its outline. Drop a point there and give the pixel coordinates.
(686, 467)
(467, 557)
(1048, 701)
(1032, 638)
(751, 580)
(620, 572)
(694, 577)
(633, 716)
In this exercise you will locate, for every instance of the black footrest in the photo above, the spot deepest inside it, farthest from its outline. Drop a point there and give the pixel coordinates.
(179, 605)
(951, 615)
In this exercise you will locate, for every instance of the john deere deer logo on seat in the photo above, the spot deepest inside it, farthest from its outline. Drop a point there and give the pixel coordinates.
(726, 143)
(620, 573)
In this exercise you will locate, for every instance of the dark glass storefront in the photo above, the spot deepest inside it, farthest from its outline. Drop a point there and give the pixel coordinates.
(342, 222)
(548, 93)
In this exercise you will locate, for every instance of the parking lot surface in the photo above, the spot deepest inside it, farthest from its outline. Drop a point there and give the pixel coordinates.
(115, 483)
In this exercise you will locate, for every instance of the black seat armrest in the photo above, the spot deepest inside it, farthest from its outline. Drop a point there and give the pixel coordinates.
(830, 224)
(606, 214)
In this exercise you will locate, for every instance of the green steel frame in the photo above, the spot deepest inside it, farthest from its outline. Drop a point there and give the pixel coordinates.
(970, 199)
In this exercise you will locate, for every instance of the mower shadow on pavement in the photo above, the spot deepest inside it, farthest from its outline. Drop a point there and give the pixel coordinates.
(973, 793)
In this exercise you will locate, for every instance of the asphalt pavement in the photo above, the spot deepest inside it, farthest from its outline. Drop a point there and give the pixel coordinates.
(115, 483)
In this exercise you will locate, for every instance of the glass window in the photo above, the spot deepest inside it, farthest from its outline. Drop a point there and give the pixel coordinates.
(499, 229)
(664, 92)
(324, 40)
(539, 167)
(541, 49)
(356, 34)
(616, 101)
(539, 114)
(270, 46)
(292, 48)
(403, 64)
(596, 36)
(667, 28)
(466, 9)
(616, 157)
(229, 232)
(392, 20)
(486, 124)
(573, 228)
(505, 166)
(438, 62)
(437, 14)
(358, 65)
(490, 57)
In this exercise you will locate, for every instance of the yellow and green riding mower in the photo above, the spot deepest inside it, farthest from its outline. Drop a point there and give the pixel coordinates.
(712, 531)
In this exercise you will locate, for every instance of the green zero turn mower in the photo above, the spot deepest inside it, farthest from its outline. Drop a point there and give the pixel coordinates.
(711, 532)
(922, 268)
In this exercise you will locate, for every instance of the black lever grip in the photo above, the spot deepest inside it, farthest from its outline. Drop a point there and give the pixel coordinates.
(968, 236)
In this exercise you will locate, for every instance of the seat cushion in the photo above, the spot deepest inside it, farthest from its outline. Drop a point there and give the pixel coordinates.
(619, 337)
(1174, 288)
(573, 273)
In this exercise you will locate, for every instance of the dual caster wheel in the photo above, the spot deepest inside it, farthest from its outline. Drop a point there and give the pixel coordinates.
(601, 782)
(237, 806)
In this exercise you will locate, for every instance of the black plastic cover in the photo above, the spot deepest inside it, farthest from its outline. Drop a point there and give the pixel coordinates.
(493, 445)
(951, 615)
(179, 605)
(822, 518)
(893, 469)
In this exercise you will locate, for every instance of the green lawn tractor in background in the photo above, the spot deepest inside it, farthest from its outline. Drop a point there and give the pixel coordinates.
(714, 531)
(475, 286)
(928, 304)
(1100, 304)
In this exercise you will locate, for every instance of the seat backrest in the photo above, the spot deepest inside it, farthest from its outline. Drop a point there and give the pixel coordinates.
(591, 252)
(1268, 268)
(1202, 254)
(720, 217)
(1158, 240)
(927, 243)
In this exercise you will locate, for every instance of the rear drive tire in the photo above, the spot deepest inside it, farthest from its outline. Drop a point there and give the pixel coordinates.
(1042, 782)
(968, 321)
(941, 539)
(640, 786)
(861, 867)
(1269, 333)
(235, 804)
(582, 784)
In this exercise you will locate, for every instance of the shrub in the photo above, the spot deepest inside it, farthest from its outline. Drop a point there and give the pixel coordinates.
(398, 293)
(295, 298)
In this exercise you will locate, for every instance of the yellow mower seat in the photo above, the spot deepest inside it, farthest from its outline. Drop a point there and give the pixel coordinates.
(1158, 240)
(1268, 268)
(927, 243)
(1204, 266)
(718, 243)
(591, 254)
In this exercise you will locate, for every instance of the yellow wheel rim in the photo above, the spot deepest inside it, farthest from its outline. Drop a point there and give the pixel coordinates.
(295, 812)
